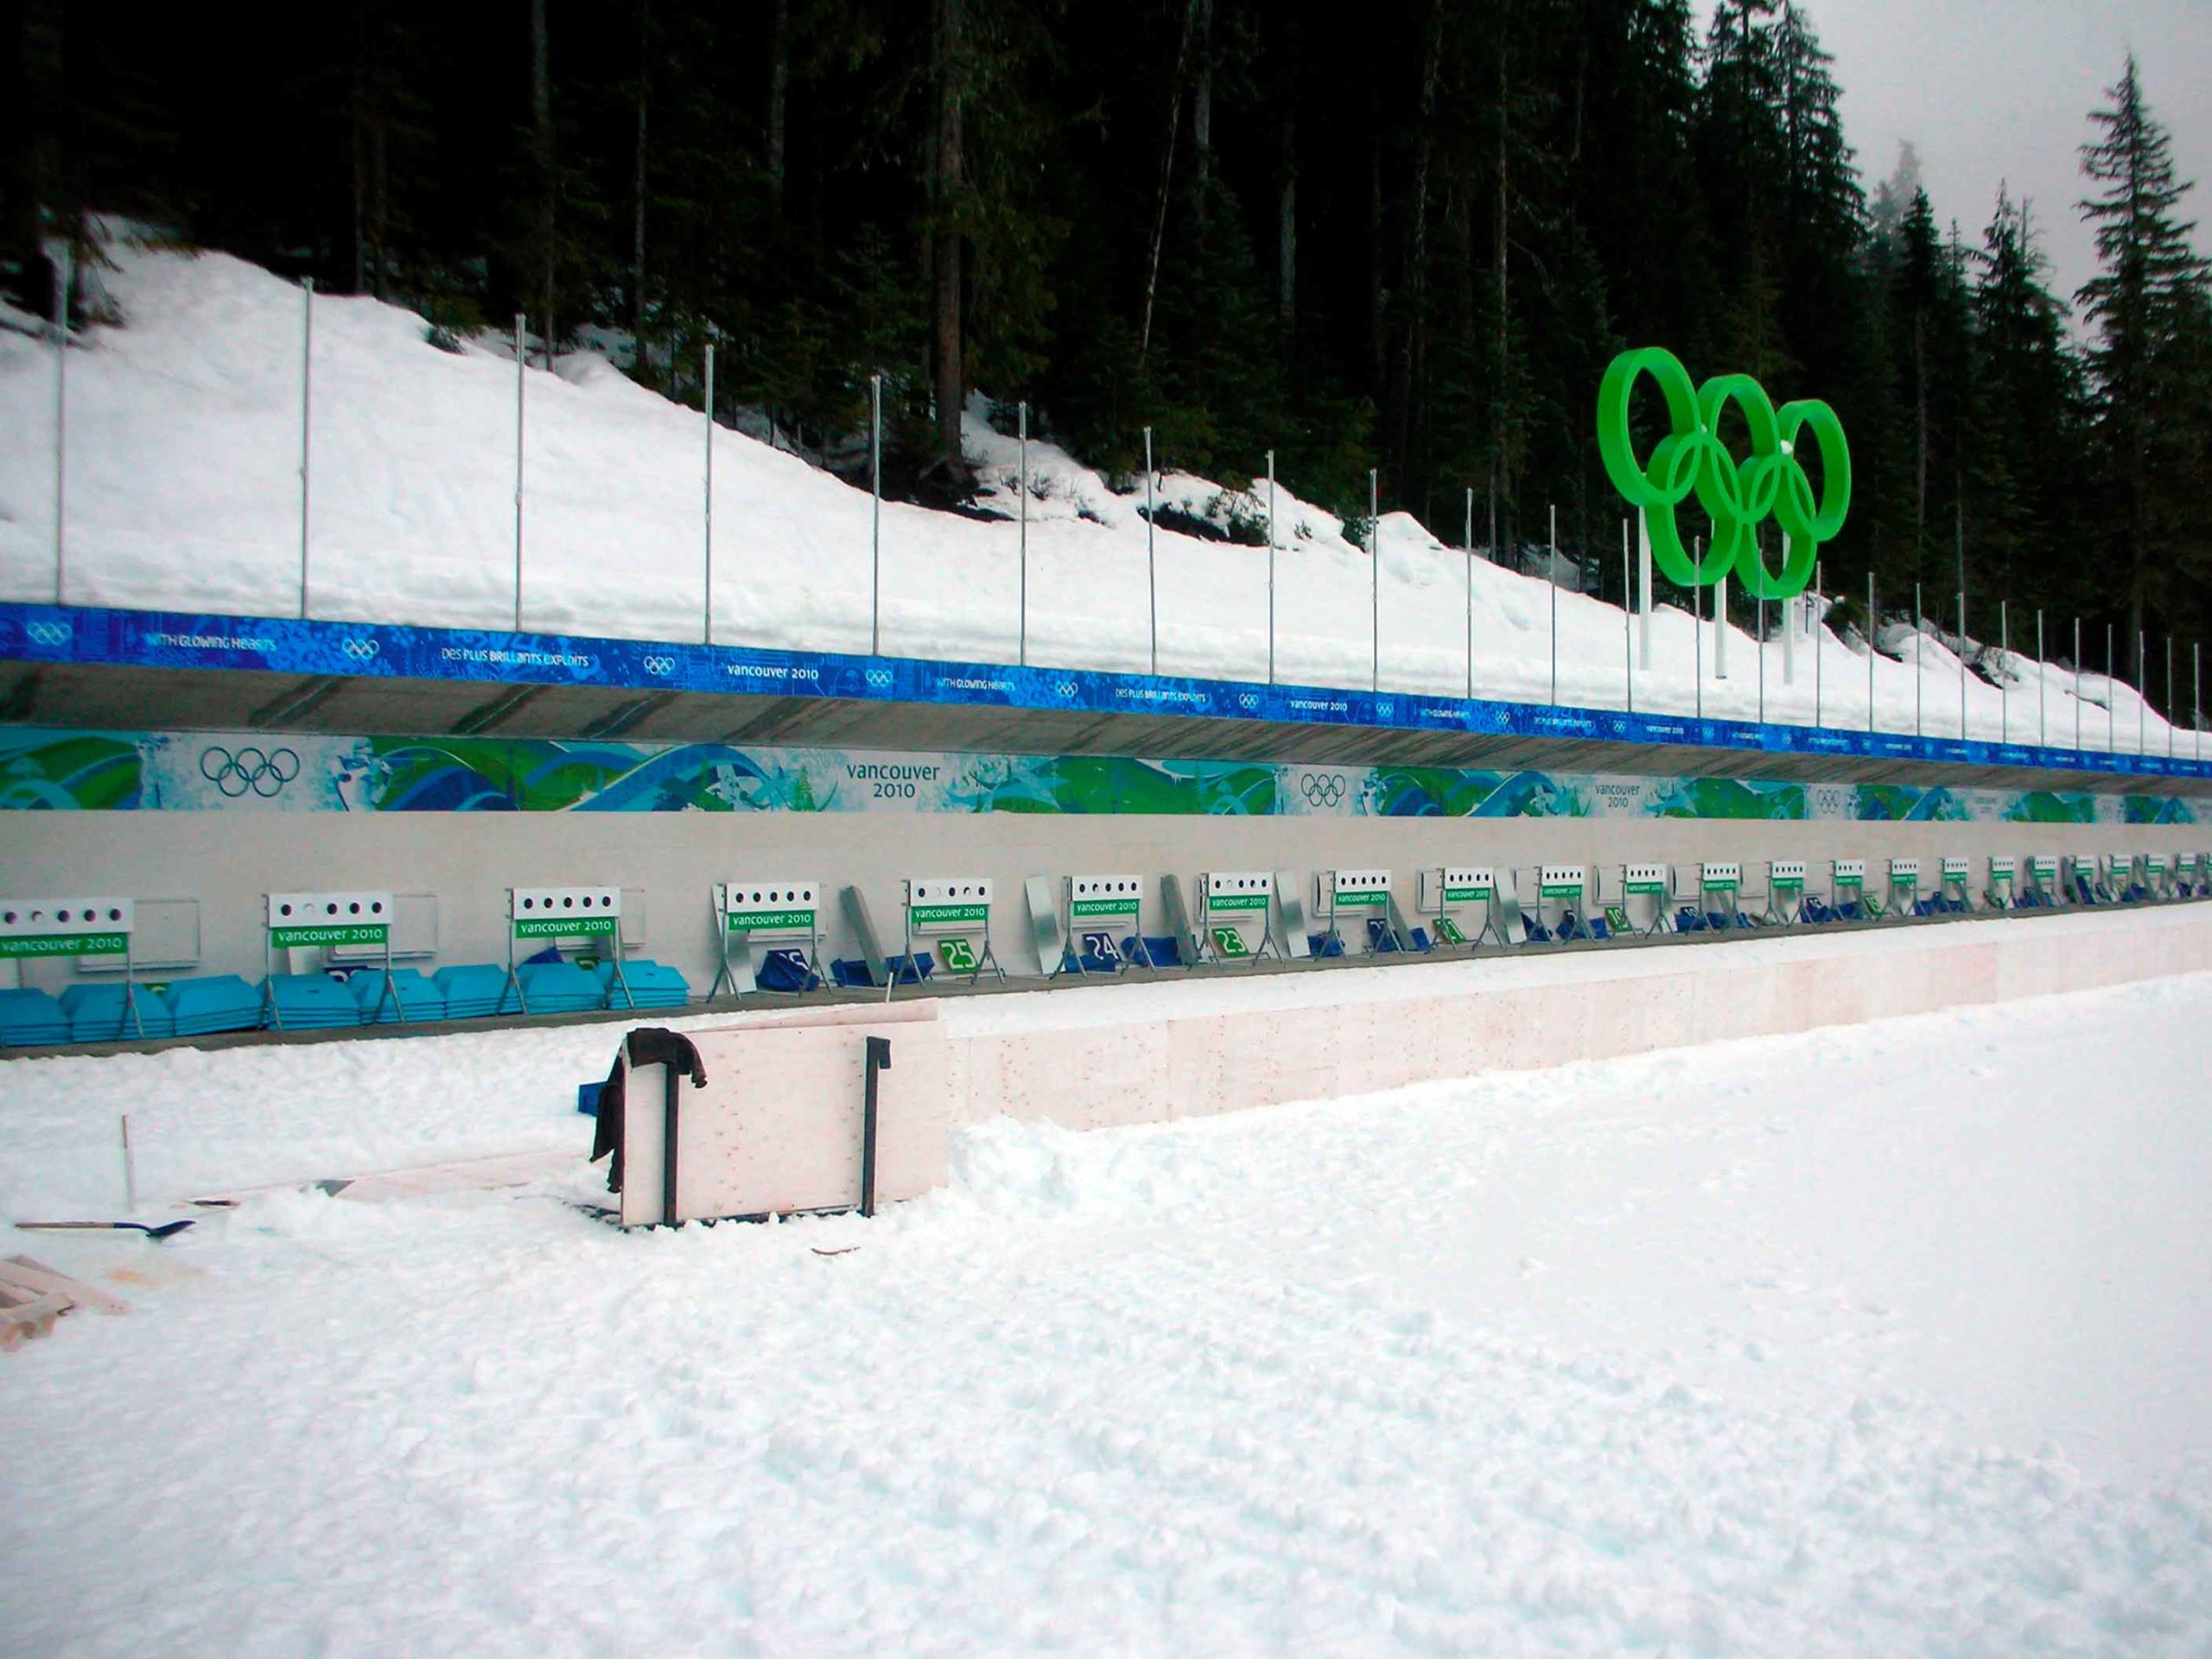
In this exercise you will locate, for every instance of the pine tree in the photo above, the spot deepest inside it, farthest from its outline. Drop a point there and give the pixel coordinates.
(2145, 306)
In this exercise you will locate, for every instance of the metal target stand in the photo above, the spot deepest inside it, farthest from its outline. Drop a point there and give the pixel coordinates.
(556, 913)
(781, 915)
(76, 929)
(301, 921)
(1097, 905)
(952, 914)
(1228, 899)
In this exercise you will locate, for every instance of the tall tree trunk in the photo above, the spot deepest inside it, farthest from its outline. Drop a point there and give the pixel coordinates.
(951, 386)
(637, 182)
(779, 77)
(541, 109)
(1202, 101)
(1287, 176)
(1166, 183)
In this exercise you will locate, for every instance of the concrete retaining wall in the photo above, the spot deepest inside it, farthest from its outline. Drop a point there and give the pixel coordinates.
(777, 1126)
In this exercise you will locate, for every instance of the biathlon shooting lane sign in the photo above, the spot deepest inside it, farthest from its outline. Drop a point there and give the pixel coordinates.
(64, 927)
(1098, 899)
(297, 919)
(564, 912)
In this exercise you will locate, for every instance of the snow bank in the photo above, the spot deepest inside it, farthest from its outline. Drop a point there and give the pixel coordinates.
(1678, 1353)
(183, 492)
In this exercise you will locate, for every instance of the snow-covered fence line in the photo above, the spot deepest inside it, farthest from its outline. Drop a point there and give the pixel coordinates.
(781, 1124)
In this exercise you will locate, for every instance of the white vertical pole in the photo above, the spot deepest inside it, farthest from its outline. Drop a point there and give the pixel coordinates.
(307, 393)
(2005, 667)
(1628, 642)
(1151, 559)
(2196, 700)
(2042, 684)
(1818, 617)
(1467, 546)
(1762, 644)
(2170, 696)
(130, 1171)
(1790, 641)
(1022, 606)
(1643, 588)
(519, 367)
(2142, 689)
(2111, 741)
(1720, 629)
(1697, 628)
(1375, 582)
(1919, 637)
(2077, 685)
(875, 513)
(1872, 628)
(1962, 662)
(1271, 567)
(707, 586)
(63, 279)
(1551, 573)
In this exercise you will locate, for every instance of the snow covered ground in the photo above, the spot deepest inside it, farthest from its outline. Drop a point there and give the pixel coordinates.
(1882, 1340)
(183, 492)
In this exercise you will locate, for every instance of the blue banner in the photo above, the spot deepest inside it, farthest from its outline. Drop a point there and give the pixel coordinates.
(289, 645)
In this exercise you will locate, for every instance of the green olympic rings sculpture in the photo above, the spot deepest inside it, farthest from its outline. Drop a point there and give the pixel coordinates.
(1738, 496)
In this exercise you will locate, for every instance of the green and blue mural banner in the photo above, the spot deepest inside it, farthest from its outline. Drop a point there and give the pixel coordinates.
(271, 772)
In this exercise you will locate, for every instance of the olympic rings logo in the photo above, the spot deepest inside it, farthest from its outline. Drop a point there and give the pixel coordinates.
(1064, 687)
(1321, 788)
(658, 665)
(1248, 700)
(1738, 496)
(249, 769)
(48, 633)
(362, 650)
(878, 677)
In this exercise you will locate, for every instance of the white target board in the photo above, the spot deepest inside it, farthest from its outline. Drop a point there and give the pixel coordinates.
(297, 919)
(769, 909)
(66, 927)
(564, 912)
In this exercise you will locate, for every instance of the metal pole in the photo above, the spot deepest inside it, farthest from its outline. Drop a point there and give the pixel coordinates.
(2142, 688)
(1467, 545)
(1271, 567)
(2077, 685)
(1644, 590)
(1374, 583)
(1818, 627)
(1022, 604)
(2112, 743)
(2170, 696)
(1919, 639)
(1151, 563)
(1551, 571)
(1720, 629)
(65, 278)
(1628, 643)
(1962, 662)
(1697, 628)
(307, 385)
(707, 585)
(2004, 667)
(875, 513)
(519, 368)
(1871, 654)
(2196, 700)
(2043, 680)
(1762, 627)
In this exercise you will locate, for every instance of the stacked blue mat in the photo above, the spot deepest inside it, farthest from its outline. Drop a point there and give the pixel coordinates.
(31, 1018)
(652, 985)
(199, 1008)
(411, 995)
(103, 1013)
(311, 1002)
(473, 991)
(559, 988)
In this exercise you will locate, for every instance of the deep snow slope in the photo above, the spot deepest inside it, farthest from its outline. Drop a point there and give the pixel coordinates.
(1886, 1340)
(183, 491)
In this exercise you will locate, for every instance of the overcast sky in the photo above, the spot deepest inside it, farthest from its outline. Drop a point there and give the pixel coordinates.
(2000, 90)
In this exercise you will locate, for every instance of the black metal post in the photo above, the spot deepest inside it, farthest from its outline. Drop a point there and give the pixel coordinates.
(879, 1059)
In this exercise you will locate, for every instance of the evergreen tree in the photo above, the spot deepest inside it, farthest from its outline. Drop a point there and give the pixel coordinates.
(2147, 306)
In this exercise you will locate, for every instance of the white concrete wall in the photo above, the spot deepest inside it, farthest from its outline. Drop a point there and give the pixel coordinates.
(227, 860)
(777, 1127)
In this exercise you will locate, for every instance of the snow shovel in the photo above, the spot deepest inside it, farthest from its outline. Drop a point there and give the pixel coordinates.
(167, 1228)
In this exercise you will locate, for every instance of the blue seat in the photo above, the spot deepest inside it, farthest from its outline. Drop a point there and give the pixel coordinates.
(201, 1007)
(559, 988)
(310, 1002)
(412, 994)
(1533, 927)
(588, 1097)
(652, 985)
(102, 1013)
(31, 1018)
(475, 990)
(851, 974)
(1325, 944)
(1570, 927)
(1163, 950)
(1417, 939)
(1600, 928)
(785, 970)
